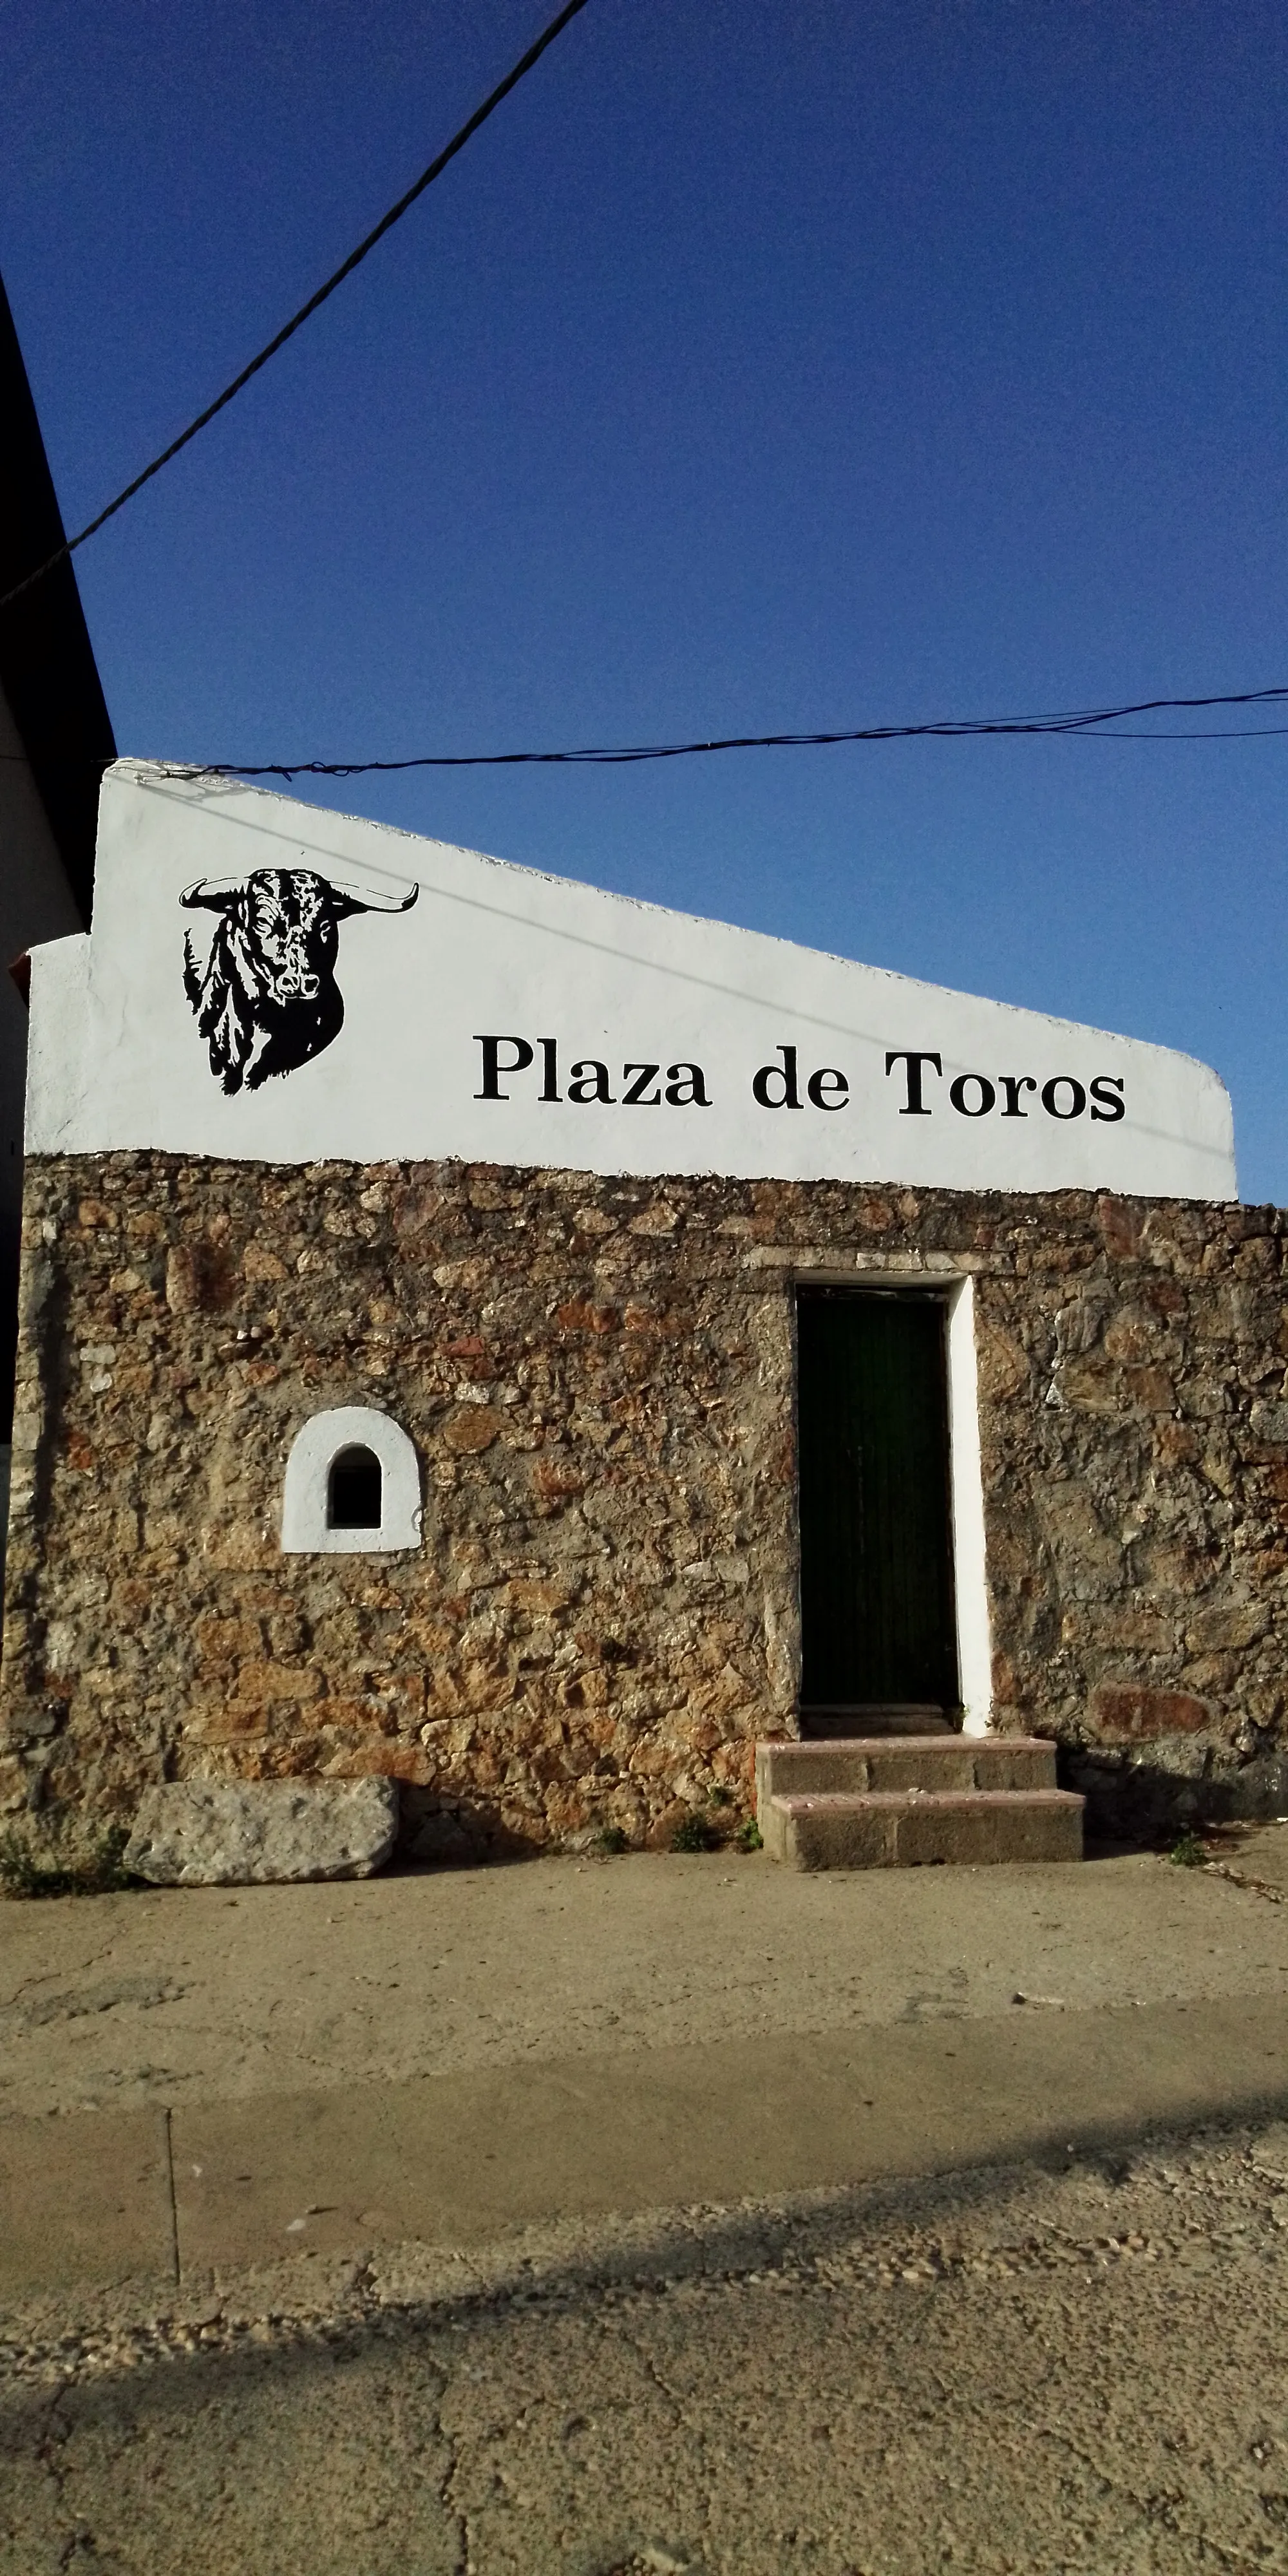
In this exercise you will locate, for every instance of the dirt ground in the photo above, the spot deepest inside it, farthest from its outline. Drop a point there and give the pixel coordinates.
(1072, 2359)
(1013, 2371)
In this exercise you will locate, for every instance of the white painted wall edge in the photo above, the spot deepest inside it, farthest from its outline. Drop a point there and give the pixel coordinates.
(59, 1020)
(970, 1580)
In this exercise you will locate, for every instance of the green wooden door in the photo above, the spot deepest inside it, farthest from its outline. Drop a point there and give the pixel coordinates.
(876, 1553)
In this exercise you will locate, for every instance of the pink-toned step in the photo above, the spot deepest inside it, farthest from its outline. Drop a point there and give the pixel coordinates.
(919, 1828)
(818, 1765)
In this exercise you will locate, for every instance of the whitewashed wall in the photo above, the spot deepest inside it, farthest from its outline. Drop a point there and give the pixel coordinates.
(583, 980)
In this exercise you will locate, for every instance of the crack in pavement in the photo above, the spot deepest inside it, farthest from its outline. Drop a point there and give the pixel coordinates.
(47, 1977)
(145, 1990)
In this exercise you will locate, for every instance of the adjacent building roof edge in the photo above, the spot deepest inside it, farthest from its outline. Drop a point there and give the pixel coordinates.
(47, 667)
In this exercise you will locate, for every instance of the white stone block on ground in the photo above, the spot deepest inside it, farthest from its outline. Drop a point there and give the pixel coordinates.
(245, 1833)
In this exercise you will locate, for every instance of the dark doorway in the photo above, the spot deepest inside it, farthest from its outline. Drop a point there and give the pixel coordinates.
(353, 1491)
(879, 1645)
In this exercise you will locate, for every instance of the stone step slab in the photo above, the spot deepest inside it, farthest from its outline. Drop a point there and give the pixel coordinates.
(820, 1765)
(253, 1833)
(916, 1828)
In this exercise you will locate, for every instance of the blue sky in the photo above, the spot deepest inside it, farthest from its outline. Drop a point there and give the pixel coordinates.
(759, 367)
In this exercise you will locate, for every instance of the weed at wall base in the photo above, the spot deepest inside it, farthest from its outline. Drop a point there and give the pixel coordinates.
(98, 1872)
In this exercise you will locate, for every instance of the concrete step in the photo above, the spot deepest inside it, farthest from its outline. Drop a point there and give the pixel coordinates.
(915, 1828)
(820, 1766)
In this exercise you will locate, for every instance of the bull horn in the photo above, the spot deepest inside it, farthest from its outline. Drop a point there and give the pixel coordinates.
(198, 897)
(347, 903)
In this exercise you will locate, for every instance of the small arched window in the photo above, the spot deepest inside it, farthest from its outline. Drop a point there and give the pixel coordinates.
(352, 1486)
(353, 1493)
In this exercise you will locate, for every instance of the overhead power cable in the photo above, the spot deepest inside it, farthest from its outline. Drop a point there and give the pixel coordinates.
(1079, 720)
(1076, 724)
(288, 330)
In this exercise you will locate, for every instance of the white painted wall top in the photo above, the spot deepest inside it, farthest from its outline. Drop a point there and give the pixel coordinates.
(289, 1011)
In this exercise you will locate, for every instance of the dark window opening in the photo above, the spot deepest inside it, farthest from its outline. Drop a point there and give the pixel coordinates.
(353, 1491)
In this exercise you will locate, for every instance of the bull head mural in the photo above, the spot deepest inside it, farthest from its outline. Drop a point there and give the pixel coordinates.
(267, 999)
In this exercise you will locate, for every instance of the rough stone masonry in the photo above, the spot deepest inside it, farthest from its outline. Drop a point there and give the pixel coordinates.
(598, 1377)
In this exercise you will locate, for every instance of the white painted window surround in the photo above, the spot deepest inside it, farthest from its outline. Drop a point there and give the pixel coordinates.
(306, 1529)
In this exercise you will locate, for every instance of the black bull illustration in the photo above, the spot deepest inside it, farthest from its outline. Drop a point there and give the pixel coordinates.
(267, 999)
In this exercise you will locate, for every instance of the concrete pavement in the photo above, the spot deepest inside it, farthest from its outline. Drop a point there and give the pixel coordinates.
(650, 2216)
(192, 2197)
(195, 2083)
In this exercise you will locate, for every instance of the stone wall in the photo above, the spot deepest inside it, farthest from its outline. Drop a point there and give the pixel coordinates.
(598, 1377)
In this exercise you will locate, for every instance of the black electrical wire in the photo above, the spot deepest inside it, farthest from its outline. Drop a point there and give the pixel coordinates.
(288, 330)
(1083, 720)
(1085, 724)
